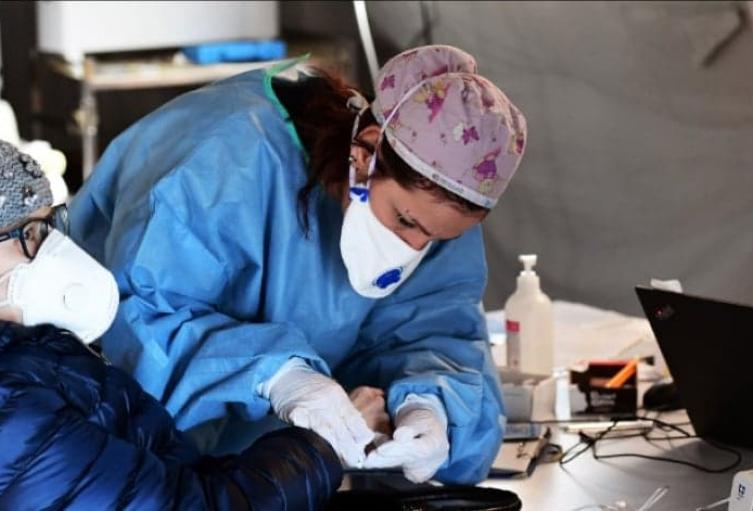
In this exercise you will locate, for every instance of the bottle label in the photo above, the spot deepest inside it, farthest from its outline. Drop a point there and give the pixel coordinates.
(513, 344)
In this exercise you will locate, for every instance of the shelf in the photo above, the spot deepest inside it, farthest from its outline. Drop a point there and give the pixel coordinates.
(148, 74)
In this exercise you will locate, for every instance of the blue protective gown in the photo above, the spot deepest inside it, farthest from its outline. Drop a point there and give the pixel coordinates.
(194, 209)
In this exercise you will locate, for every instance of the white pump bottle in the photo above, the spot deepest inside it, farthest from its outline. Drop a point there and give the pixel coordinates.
(530, 324)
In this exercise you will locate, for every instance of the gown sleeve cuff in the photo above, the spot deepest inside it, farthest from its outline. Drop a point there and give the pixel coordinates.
(263, 388)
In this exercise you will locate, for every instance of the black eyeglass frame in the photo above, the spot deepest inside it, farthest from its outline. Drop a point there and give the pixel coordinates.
(57, 219)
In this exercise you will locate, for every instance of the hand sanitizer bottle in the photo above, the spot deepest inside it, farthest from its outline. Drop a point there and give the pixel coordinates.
(530, 324)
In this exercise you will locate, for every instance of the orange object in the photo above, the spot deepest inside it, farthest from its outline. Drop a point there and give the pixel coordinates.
(619, 379)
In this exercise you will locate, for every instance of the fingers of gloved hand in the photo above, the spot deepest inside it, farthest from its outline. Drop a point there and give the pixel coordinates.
(433, 450)
(420, 446)
(410, 451)
(327, 432)
(405, 433)
(351, 450)
(299, 417)
(351, 454)
(335, 437)
(389, 454)
(376, 460)
(420, 472)
(361, 433)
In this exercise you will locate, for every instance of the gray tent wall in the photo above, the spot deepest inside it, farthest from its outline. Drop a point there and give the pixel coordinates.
(640, 155)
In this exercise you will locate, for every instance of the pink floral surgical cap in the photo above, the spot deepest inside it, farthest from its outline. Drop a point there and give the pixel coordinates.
(450, 124)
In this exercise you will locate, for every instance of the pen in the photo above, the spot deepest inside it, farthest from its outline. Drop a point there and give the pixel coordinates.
(540, 444)
(619, 379)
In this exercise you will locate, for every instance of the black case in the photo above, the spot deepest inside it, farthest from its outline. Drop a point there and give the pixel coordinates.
(426, 498)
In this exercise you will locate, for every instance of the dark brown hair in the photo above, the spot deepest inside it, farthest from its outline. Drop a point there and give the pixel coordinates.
(324, 125)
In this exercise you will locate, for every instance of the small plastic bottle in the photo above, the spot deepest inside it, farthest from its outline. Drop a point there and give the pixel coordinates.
(530, 324)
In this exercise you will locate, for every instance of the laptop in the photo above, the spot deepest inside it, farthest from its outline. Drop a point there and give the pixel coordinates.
(708, 347)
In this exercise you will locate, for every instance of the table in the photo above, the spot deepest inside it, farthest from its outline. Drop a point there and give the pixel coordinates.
(583, 332)
(586, 481)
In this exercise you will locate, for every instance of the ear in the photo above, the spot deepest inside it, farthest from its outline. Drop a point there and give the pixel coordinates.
(370, 134)
(361, 155)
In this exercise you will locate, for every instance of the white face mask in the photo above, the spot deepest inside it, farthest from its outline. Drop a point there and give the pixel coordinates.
(377, 260)
(65, 286)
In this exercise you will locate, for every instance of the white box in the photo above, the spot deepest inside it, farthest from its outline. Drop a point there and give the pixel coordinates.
(527, 397)
(75, 28)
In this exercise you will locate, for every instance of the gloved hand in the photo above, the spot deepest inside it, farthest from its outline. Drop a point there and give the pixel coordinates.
(419, 444)
(303, 397)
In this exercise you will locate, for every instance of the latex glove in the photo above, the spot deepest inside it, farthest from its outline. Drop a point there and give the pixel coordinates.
(419, 444)
(305, 398)
(370, 402)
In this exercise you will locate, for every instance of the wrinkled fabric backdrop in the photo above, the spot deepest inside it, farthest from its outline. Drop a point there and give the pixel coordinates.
(640, 161)
(640, 155)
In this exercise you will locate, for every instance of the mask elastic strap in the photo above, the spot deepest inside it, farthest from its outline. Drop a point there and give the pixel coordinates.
(388, 119)
(359, 104)
(358, 101)
(6, 276)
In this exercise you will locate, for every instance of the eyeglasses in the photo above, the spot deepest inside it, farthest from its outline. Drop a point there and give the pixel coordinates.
(34, 231)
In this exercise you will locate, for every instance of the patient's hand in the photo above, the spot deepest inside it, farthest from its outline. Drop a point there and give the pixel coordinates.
(370, 402)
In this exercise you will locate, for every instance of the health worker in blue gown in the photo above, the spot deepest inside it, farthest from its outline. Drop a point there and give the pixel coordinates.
(278, 241)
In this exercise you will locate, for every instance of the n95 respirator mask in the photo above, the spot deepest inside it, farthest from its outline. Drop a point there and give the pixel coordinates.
(378, 261)
(64, 286)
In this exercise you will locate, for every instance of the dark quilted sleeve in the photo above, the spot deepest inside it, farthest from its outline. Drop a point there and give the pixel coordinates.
(290, 469)
(79, 435)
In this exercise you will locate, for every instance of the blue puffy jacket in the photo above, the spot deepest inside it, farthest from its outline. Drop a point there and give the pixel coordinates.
(76, 433)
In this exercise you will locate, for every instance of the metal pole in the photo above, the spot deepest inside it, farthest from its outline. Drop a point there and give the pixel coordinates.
(89, 120)
(367, 41)
(1, 60)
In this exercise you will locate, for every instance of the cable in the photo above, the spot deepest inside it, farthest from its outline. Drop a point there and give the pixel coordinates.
(586, 442)
(598, 507)
(621, 505)
(426, 22)
(429, 14)
(655, 497)
(590, 443)
(713, 505)
(613, 418)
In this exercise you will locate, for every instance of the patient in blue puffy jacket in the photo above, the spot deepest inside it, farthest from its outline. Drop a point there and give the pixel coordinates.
(77, 433)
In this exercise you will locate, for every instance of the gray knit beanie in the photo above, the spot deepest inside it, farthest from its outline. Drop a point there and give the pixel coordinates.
(23, 186)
